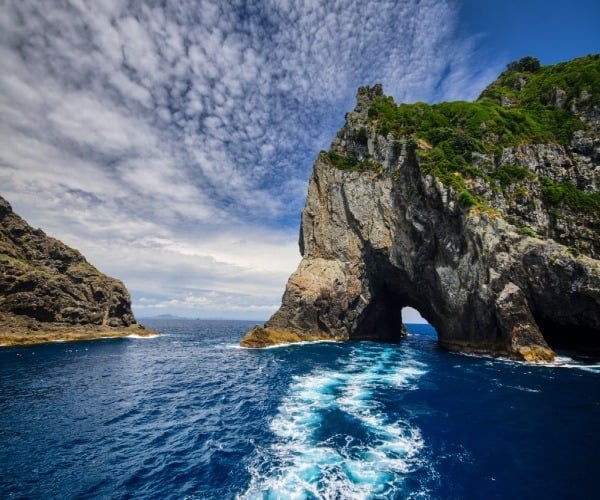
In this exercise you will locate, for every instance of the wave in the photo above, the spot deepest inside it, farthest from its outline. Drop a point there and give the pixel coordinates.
(291, 344)
(144, 337)
(283, 345)
(333, 437)
(568, 362)
(559, 362)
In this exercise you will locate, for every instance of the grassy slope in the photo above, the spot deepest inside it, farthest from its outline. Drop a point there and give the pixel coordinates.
(520, 107)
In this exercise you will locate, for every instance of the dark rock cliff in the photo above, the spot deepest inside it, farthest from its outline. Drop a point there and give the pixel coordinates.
(459, 211)
(44, 283)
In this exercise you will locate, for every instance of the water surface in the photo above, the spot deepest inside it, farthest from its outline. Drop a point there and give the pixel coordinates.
(191, 415)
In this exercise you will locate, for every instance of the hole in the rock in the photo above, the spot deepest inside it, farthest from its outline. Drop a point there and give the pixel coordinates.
(415, 323)
(410, 316)
(390, 311)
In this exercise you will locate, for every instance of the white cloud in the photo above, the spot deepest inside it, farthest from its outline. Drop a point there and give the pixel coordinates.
(172, 144)
(410, 315)
(84, 119)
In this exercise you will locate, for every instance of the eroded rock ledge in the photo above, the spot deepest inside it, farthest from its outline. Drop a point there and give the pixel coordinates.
(388, 233)
(48, 291)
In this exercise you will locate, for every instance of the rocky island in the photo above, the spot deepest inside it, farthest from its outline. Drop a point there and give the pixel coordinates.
(48, 291)
(484, 216)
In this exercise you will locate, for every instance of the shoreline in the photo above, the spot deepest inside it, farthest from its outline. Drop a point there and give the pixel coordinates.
(14, 337)
(267, 338)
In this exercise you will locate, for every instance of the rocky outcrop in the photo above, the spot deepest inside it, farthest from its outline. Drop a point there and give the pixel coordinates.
(49, 291)
(493, 266)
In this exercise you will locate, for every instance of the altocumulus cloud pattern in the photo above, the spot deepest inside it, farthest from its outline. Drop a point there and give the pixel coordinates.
(171, 141)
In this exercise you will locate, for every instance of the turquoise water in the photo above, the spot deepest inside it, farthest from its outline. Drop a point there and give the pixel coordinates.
(191, 415)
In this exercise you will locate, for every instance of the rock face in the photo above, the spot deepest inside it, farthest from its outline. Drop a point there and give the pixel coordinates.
(45, 286)
(494, 263)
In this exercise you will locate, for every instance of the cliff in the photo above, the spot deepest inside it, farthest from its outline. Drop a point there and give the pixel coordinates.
(48, 291)
(484, 216)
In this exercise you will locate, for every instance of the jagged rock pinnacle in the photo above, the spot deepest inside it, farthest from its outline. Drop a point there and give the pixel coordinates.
(366, 96)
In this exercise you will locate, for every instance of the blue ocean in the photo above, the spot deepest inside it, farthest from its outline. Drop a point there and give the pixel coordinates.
(189, 415)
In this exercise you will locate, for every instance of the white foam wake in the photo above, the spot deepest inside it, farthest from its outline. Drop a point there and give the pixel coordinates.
(334, 439)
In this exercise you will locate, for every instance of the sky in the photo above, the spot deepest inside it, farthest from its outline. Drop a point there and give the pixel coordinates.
(171, 142)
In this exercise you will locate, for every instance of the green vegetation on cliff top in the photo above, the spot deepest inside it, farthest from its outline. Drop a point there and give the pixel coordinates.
(519, 107)
(527, 104)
